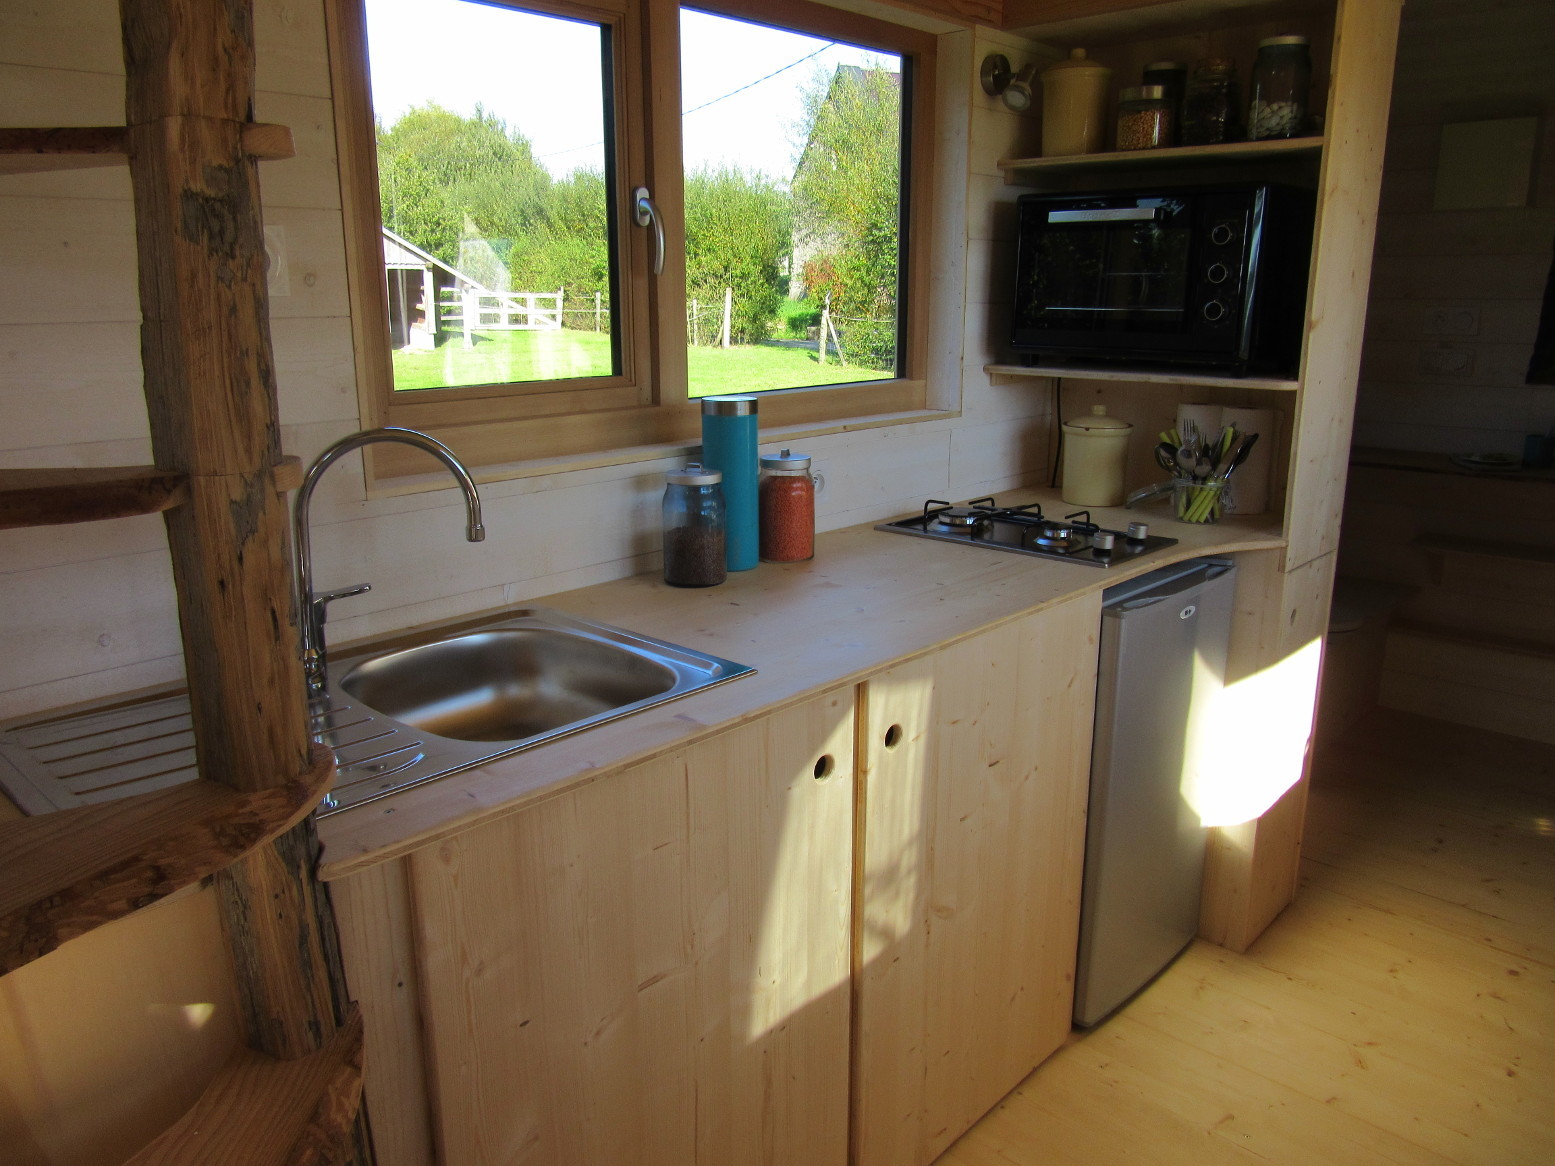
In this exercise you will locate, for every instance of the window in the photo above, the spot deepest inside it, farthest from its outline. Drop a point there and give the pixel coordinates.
(504, 293)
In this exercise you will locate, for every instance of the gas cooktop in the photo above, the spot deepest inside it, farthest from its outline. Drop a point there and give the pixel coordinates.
(1025, 530)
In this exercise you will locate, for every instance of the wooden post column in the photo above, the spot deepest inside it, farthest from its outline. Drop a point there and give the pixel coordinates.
(210, 391)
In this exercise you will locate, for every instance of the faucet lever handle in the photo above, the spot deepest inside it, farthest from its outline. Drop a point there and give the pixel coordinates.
(323, 599)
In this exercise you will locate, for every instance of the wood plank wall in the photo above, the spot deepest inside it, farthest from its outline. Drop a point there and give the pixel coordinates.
(89, 611)
(1455, 294)
(1453, 308)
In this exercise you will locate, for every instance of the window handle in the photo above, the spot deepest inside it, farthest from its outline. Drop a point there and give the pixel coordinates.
(646, 213)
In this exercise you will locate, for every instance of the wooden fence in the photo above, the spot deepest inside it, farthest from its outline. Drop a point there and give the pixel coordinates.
(500, 311)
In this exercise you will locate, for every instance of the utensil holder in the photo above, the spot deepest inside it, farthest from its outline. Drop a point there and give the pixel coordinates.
(1198, 502)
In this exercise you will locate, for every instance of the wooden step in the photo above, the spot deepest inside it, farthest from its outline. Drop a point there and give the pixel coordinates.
(70, 871)
(33, 150)
(54, 497)
(263, 1112)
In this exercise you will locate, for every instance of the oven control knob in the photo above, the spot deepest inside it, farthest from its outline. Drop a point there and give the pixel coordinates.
(1218, 273)
(1102, 542)
(1138, 532)
(1221, 234)
(1214, 310)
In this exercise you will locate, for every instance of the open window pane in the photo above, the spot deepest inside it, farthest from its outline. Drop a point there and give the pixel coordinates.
(492, 127)
(793, 177)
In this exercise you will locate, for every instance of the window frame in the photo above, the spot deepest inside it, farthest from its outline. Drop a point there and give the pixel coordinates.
(608, 419)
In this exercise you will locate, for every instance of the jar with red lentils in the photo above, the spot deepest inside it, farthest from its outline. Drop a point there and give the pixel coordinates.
(787, 508)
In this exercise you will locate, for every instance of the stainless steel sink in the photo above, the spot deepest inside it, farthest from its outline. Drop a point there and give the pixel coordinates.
(400, 718)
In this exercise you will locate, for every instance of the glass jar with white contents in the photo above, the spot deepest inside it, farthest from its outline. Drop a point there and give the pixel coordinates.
(1282, 88)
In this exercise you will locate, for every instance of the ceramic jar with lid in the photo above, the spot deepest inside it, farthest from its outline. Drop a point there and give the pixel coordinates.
(1095, 448)
(1281, 89)
(1074, 106)
(787, 494)
(694, 527)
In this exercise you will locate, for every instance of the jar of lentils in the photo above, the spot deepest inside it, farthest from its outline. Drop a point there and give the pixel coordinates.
(787, 505)
(694, 527)
(1146, 118)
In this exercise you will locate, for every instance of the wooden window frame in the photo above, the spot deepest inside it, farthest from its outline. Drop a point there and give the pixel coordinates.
(608, 419)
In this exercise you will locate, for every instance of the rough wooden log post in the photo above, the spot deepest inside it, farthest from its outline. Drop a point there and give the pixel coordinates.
(210, 392)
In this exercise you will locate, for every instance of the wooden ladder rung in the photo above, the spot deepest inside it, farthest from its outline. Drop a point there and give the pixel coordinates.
(259, 1111)
(64, 873)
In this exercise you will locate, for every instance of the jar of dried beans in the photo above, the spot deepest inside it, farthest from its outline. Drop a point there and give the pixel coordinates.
(694, 528)
(787, 494)
(1147, 119)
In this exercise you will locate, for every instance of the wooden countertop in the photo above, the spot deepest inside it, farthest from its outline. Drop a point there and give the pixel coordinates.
(867, 600)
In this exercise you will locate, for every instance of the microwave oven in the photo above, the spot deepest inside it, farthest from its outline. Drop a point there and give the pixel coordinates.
(1212, 277)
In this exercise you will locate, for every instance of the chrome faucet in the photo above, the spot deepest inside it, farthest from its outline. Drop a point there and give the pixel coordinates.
(310, 606)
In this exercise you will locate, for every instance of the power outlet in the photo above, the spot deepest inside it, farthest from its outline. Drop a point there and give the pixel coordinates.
(1453, 320)
(1447, 362)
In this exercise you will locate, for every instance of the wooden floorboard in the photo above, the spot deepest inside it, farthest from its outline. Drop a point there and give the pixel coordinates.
(1400, 1012)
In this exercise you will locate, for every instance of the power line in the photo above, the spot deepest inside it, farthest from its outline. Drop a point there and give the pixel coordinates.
(706, 104)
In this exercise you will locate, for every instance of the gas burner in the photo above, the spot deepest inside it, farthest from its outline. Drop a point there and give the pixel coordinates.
(1056, 536)
(959, 517)
(1025, 530)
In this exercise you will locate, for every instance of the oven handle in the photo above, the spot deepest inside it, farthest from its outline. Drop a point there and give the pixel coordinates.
(1114, 214)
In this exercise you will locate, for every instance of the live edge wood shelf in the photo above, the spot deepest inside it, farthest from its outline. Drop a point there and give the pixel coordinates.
(30, 151)
(67, 872)
(1028, 170)
(1005, 373)
(261, 1111)
(51, 497)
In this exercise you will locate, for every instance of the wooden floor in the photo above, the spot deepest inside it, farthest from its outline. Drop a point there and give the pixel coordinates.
(1401, 1011)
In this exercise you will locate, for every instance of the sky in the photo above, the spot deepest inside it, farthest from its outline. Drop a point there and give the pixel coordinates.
(542, 76)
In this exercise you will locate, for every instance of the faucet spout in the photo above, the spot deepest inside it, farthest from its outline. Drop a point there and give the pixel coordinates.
(311, 606)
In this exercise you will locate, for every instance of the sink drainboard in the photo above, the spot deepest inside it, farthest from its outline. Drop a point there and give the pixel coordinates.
(116, 751)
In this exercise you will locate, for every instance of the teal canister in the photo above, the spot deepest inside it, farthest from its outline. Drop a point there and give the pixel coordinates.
(729, 446)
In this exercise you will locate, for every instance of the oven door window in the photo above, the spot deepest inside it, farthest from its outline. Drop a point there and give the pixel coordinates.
(1108, 270)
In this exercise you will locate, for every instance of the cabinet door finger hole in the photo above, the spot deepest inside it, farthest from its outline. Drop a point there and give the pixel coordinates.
(893, 736)
(825, 766)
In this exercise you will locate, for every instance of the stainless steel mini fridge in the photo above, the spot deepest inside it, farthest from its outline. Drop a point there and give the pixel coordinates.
(1163, 660)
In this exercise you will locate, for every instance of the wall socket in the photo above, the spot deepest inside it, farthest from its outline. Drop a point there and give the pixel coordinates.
(1447, 362)
(1453, 320)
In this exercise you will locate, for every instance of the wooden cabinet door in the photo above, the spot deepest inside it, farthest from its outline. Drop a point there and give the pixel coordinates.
(975, 771)
(652, 968)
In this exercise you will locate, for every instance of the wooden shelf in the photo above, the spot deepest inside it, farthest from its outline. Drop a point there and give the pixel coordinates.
(1149, 376)
(263, 1112)
(1021, 169)
(33, 150)
(55, 497)
(70, 871)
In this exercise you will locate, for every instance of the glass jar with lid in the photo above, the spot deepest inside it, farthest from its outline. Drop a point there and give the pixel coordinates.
(1281, 88)
(1173, 77)
(1212, 107)
(1146, 118)
(787, 494)
(694, 528)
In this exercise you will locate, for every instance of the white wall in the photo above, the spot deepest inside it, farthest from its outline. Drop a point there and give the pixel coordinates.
(88, 611)
(1455, 294)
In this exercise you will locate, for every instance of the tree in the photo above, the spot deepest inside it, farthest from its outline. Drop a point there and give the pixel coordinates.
(847, 200)
(737, 233)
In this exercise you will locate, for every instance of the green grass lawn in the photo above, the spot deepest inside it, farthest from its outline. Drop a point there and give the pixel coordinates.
(500, 357)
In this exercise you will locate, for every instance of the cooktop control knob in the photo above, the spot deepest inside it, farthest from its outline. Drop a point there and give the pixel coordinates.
(1218, 273)
(1138, 532)
(1221, 234)
(1101, 542)
(1214, 310)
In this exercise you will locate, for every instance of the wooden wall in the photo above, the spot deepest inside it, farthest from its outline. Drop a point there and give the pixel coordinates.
(1453, 308)
(89, 611)
(1455, 293)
